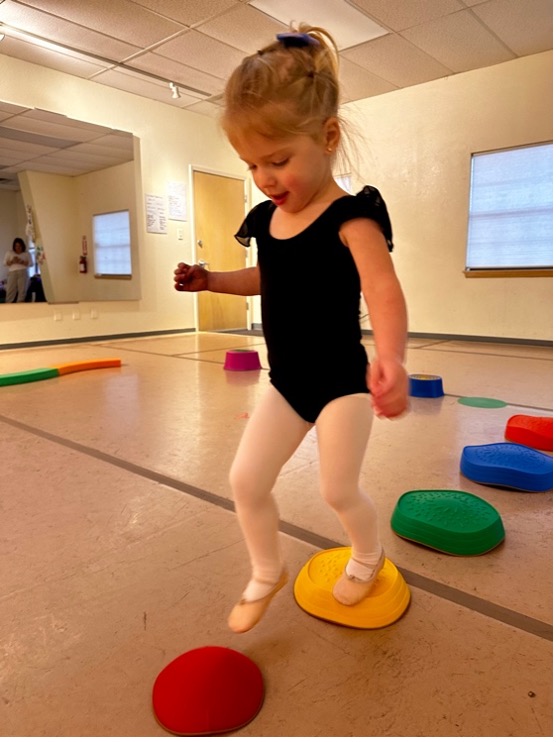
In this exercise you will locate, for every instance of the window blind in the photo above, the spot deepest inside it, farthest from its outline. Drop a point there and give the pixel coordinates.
(510, 210)
(112, 246)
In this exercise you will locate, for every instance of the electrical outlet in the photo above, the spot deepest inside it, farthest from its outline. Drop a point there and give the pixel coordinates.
(94, 314)
(180, 234)
(76, 315)
(57, 317)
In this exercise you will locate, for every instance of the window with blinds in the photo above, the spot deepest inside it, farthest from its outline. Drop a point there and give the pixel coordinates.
(510, 211)
(112, 244)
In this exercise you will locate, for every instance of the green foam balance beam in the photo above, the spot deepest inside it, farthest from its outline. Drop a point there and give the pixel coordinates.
(23, 377)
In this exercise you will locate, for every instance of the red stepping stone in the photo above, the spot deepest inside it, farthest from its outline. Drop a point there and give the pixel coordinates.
(209, 690)
(535, 432)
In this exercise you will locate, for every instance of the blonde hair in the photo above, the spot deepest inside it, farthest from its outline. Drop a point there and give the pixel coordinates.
(284, 89)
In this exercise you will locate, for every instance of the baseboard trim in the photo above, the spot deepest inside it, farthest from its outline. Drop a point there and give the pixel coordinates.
(476, 338)
(256, 329)
(93, 338)
(469, 338)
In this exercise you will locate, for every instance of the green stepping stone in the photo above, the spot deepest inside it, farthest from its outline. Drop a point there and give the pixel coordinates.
(450, 521)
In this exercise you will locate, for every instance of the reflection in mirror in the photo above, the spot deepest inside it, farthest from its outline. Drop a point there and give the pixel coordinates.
(56, 175)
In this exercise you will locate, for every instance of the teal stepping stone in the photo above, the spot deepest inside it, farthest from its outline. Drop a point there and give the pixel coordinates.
(450, 521)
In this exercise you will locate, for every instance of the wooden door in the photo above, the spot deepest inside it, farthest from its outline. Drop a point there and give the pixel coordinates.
(219, 209)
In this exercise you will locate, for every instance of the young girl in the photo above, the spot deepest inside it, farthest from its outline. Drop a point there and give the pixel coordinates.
(318, 248)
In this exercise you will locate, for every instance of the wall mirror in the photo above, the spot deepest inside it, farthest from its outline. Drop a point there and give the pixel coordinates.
(56, 176)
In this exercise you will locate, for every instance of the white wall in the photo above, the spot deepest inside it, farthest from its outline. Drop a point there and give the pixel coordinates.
(417, 150)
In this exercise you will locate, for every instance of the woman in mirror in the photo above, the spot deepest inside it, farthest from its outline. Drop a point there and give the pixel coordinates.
(18, 261)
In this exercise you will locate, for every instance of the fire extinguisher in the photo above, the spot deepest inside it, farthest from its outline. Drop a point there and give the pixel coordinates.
(83, 264)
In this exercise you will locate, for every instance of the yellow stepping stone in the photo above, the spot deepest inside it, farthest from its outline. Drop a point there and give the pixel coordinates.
(312, 589)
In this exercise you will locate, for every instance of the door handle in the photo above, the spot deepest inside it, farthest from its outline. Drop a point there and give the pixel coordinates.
(203, 264)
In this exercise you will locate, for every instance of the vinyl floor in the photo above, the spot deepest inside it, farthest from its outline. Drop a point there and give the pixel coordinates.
(119, 550)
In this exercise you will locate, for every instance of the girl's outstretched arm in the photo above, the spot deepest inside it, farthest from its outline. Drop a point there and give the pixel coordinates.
(387, 380)
(244, 282)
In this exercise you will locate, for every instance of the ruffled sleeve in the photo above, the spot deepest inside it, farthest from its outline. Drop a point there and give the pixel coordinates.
(243, 234)
(252, 223)
(369, 203)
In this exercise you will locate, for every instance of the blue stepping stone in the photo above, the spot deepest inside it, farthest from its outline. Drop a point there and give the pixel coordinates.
(425, 385)
(508, 465)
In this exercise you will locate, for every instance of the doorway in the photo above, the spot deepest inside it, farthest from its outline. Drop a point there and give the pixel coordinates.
(219, 210)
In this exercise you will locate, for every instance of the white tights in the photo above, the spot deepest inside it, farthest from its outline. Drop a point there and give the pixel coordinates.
(271, 437)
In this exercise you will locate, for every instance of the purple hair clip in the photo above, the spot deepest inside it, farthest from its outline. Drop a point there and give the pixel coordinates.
(297, 39)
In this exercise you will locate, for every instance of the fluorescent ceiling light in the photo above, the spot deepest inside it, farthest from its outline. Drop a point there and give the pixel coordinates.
(31, 38)
(348, 25)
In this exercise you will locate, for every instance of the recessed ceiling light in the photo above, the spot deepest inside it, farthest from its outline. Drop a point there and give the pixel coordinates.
(346, 24)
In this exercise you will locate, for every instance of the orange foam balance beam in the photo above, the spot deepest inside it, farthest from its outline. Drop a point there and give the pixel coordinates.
(70, 368)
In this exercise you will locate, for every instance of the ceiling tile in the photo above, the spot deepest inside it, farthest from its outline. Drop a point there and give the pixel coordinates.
(106, 155)
(8, 157)
(79, 130)
(24, 145)
(117, 141)
(53, 165)
(347, 24)
(244, 28)
(397, 60)
(11, 156)
(525, 27)
(72, 64)
(79, 156)
(174, 71)
(197, 43)
(190, 12)
(199, 51)
(357, 83)
(134, 83)
(57, 29)
(401, 15)
(206, 108)
(21, 138)
(56, 126)
(25, 150)
(10, 109)
(459, 41)
(119, 19)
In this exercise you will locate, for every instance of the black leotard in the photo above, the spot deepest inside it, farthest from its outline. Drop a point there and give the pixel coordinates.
(310, 302)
